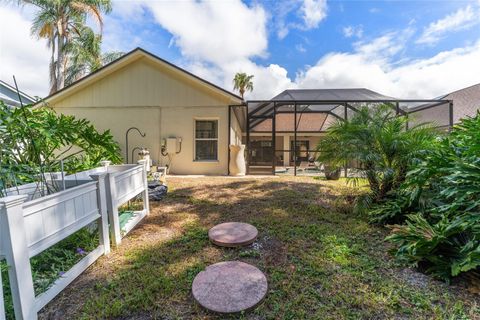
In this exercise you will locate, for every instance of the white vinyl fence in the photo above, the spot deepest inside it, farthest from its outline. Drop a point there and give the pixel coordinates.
(123, 186)
(30, 225)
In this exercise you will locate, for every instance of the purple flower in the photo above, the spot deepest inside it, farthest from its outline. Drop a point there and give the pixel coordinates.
(81, 252)
(61, 273)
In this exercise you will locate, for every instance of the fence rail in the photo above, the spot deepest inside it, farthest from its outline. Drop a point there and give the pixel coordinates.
(30, 225)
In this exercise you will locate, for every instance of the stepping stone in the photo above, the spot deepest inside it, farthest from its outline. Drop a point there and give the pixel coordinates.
(233, 234)
(229, 287)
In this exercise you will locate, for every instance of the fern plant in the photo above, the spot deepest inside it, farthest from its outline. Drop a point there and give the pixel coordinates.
(444, 234)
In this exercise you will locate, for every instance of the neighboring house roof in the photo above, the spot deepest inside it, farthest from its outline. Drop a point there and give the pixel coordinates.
(9, 95)
(466, 102)
(126, 59)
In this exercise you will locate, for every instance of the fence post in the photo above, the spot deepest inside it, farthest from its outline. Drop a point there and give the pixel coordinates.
(102, 206)
(112, 209)
(2, 301)
(15, 248)
(146, 204)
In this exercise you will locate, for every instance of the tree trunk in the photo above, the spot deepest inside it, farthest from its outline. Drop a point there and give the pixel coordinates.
(53, 69)
(60, 63)
(372, 179)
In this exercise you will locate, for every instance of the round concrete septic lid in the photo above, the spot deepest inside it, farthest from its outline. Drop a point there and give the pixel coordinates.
(233, 234)
(229, 287)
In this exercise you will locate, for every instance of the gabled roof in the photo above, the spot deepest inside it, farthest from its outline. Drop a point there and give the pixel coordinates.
(126, 59)
(9, 95)
(354, 94)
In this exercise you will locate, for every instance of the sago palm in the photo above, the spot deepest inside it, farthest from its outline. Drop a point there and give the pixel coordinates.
(242, 82)
(379, 142)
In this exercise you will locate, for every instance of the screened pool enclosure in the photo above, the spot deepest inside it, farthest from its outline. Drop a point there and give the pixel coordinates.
(281, 134)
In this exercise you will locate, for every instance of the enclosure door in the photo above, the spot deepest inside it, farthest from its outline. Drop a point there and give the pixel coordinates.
(301, 151)
(261, 152)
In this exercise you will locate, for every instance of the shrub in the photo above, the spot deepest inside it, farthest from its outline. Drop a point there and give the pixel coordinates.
(444, 233)
(36, 140)
(377, 139)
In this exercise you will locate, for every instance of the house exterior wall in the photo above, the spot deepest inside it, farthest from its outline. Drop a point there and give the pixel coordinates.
(160, 102)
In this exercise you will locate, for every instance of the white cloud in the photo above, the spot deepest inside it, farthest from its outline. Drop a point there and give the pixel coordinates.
(131, 9)
(310, 13)
(313, 11)
(443, 73)
(385, 46)
(21, 54)
(423, 78)
(461, 19)
(214, 31)
(353, 31)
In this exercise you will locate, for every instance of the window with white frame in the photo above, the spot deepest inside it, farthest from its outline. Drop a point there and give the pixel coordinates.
(206, 140)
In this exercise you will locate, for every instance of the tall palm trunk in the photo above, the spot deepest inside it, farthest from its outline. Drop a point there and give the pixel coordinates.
(53, 68)
(60, 62)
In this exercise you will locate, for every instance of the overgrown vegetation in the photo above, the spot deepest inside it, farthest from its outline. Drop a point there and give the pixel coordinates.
(442, 198)
(426, 180)
(375, 139)
(35, 141)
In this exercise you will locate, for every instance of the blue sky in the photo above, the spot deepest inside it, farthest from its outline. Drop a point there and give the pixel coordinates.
(401, 48)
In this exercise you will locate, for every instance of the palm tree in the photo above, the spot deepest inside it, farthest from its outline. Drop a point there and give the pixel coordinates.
(60, 21)
(242, 82)
(85, 55)
(378, 140)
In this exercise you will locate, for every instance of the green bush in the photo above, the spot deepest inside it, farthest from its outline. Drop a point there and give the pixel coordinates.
(36, 140)
(444, 232)
(446, 248)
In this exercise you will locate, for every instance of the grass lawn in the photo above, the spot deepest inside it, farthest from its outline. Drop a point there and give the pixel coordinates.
(321, 261)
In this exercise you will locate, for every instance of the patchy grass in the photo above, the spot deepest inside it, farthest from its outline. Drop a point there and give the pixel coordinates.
(321, 261)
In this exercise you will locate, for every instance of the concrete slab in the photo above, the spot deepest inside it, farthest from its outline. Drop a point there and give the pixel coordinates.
(233, 234)
(229, 287)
